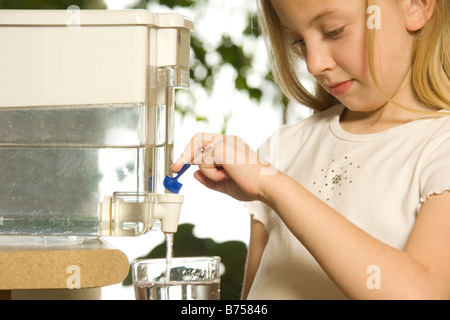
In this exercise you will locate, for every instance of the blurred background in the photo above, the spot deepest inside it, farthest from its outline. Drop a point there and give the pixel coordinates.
(231, 92)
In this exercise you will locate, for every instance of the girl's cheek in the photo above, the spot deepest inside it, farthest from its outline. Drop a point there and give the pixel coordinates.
(352, 57)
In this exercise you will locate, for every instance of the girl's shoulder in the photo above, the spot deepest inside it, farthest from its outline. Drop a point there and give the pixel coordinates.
(436, 127)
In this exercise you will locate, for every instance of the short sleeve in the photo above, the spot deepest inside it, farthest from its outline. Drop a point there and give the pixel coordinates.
(259, 211)
(435, 173)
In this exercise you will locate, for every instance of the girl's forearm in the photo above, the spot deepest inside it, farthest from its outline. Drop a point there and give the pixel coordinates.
(351, 257)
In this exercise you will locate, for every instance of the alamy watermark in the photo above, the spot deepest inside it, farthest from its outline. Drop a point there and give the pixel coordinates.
(374, 19)
(374, 280)
(215, 149)
(74, 17)
(74, 280)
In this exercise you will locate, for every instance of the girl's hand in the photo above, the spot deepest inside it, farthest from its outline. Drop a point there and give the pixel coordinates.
(226, 164)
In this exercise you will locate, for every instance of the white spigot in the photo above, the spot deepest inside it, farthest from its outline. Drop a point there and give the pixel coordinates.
(120, 216)
(168, 211)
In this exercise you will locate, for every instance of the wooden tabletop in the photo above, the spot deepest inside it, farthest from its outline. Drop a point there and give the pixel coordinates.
(94, 263)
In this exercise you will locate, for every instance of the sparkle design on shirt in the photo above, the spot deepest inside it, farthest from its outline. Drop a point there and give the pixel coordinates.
(340, 171)
(336, 179)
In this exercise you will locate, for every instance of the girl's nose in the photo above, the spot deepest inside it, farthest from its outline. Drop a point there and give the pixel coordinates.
(319, 59)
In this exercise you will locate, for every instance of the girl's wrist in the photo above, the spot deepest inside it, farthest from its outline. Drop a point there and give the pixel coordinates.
(271, 184)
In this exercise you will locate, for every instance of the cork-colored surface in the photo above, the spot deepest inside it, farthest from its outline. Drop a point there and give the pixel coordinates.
(91, 264)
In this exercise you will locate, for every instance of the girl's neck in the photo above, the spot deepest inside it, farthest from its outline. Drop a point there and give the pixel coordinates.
(386, 116)
(375, 121)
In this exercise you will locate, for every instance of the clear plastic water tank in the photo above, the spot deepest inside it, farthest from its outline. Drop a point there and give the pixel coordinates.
(86, 119)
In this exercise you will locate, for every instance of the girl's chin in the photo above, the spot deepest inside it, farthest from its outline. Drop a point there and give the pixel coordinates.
(362, 102)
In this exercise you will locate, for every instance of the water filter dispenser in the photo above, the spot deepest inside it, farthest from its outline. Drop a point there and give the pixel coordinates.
(86, 120)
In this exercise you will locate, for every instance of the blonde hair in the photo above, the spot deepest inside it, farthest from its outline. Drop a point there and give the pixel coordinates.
(430, 60)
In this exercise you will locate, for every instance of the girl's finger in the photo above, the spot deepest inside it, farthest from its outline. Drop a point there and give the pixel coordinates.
(198, 151)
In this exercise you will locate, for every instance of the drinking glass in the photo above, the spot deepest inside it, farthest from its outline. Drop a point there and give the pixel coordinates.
(192, 278)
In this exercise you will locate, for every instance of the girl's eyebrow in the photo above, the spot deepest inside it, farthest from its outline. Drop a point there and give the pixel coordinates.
(323, 14)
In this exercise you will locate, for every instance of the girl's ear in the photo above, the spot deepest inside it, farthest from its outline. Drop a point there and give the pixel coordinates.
(419, 12)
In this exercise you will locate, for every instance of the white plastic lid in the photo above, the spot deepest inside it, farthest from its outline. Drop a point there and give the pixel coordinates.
(94, 17)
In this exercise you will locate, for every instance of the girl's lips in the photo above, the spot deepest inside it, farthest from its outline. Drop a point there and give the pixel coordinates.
(342, 88)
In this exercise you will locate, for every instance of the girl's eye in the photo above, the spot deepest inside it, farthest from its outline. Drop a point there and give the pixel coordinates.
(299, 42)
(335, 33)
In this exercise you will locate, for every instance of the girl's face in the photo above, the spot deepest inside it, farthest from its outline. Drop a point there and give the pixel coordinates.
(332, 37)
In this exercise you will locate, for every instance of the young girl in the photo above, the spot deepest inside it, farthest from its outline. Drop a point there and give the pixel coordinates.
(354, 201)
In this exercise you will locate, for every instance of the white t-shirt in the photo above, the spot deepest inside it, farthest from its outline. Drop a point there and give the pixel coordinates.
(377, 181)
